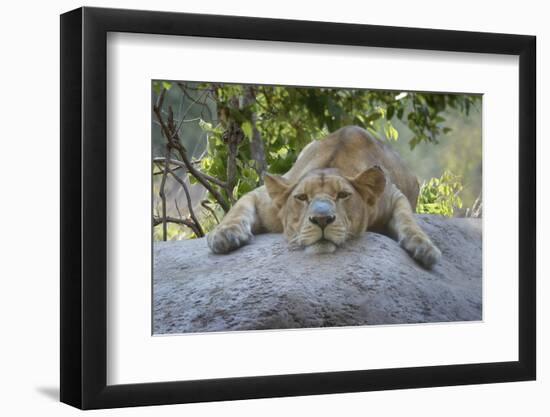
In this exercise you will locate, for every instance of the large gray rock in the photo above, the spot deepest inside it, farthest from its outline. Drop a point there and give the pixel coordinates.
(266, 286)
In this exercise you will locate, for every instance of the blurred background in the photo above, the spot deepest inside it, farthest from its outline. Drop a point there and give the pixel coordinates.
(213, 142)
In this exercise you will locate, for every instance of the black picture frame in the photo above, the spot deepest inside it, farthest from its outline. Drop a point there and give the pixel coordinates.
(84, 207)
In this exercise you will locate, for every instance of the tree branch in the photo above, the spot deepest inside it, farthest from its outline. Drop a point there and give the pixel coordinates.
(173, 139)
(195, 162)
(188, 198)
(186, 222)
(162, 194)
(232, 137)
(256, 144)
(184, 89)
(179, 165)
(205, 204)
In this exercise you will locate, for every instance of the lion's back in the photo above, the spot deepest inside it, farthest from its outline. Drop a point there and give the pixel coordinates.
(351, 150)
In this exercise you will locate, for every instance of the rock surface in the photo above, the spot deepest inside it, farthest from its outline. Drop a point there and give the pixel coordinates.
(266, 286)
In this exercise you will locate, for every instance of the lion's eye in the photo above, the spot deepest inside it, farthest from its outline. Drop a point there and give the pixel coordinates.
(301, 197)
(343, 194)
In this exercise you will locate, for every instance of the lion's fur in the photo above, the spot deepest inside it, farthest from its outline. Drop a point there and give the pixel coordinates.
(381, 194)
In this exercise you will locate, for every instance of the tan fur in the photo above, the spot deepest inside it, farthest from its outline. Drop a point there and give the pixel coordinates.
(358, 181)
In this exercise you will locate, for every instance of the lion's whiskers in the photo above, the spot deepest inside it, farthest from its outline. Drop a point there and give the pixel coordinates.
(294, 242)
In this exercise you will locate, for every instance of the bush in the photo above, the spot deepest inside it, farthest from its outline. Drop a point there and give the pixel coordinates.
(440, 195)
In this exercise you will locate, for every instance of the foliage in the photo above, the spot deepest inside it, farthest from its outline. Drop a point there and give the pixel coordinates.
(440, 195)
(289, 118)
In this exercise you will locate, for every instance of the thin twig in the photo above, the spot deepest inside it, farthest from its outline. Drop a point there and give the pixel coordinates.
(199, 174)
(162, 194)
(205, 204)
(179, 165)
(186, 222)
(177, 208)
(176, 131)
(184, 89)
(188, 198)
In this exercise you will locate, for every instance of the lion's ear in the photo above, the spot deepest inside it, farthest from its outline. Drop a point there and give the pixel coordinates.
(370, 184)
(277, 188)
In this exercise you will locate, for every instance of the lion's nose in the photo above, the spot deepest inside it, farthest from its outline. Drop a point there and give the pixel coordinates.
(322, 221)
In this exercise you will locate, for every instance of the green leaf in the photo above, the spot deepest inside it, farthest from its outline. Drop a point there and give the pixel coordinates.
(373, 116)
(247, 129)
(400, 112)
(390, 112)
(205, 125)
(440, 195)
(157, 88)
(391, 132)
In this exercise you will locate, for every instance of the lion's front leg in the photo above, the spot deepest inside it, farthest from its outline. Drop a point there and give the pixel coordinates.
(410, 236)
(235, 230)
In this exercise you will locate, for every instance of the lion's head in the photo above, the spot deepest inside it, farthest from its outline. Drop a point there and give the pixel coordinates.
(324, 208)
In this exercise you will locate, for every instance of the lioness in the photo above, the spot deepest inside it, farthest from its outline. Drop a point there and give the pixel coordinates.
(338, 188)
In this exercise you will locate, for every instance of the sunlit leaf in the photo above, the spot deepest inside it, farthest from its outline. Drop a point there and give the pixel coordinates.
(247, 129)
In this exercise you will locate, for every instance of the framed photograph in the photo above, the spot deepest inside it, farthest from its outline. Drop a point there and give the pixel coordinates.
(258, 208)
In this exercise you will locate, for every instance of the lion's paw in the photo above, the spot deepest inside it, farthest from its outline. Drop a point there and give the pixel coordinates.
(423, 250)
(225, 239)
